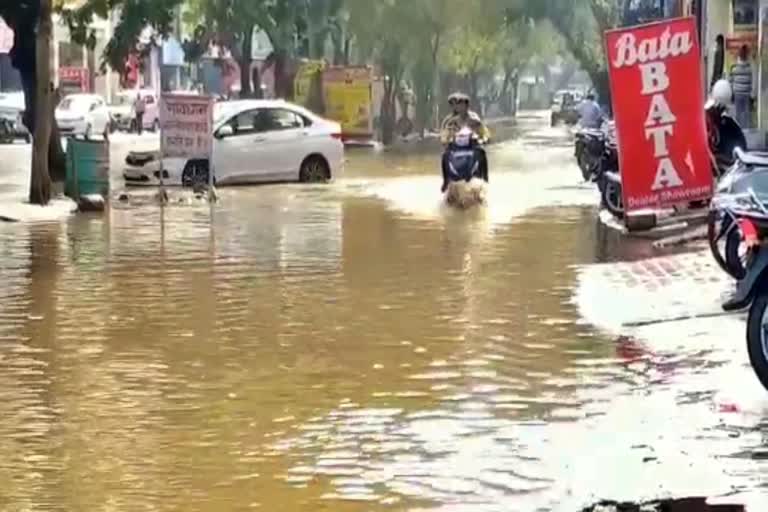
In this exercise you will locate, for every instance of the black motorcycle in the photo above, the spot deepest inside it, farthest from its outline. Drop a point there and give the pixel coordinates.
(728, 214)
(608, 176)
(732, 164)
(751, 211)
(589, 147)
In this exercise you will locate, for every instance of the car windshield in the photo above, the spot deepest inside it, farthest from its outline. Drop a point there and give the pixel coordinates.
(72, 103)
(122, 99)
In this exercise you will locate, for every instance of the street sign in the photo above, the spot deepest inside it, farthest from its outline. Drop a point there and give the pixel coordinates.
(658, 103)
(186, 126)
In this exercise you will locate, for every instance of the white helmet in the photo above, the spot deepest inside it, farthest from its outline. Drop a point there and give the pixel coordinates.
(722, 92)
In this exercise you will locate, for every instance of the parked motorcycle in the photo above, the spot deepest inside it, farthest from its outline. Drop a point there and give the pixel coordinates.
(589, 147)
(728, 223)
(751, 208)
(466, 181)
(732, 167)
(608, 176)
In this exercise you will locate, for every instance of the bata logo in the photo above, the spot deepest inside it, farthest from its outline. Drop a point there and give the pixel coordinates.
(630, 52)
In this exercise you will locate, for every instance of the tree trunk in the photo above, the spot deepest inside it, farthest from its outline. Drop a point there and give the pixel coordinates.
(245, 64)
(388, 113)
(40, 183)
(283, 82)
(256, 76)
(57, 164)
(515, 94)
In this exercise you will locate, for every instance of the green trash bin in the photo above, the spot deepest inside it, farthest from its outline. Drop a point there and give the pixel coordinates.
(87, 168)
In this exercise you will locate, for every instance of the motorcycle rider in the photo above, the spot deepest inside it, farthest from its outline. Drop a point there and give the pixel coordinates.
(460, 117)
(590, 113)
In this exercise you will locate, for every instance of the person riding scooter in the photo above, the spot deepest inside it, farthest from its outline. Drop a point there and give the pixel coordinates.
(460, 118)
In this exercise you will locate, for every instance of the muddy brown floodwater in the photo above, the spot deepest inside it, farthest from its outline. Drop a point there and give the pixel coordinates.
(351, 347)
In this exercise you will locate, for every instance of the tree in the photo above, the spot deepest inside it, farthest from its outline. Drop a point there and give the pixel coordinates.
(40, 184)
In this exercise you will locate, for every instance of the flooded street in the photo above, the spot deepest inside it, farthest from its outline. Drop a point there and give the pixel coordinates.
(360, 347)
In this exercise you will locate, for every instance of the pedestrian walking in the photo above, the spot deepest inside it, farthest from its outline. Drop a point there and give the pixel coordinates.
(139, 107)
(742, 82)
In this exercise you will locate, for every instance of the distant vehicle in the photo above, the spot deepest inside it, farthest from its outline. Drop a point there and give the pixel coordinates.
(12, 107)
(124, 114)
(255, 141)
(83, 115)
(564, 105)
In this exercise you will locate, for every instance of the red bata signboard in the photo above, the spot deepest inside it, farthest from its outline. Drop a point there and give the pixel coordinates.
(658, 103)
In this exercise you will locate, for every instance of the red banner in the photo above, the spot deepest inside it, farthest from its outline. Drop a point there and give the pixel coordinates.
(658, 104)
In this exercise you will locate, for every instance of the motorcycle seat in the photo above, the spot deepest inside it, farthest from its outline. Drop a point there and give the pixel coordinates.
(591, 132)
(751, 158)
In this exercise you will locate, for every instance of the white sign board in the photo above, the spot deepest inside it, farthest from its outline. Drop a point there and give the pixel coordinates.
(186, 126)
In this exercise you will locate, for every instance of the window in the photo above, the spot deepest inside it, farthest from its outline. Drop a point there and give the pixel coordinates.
(149, 99)
(281, 119)
(244, 122)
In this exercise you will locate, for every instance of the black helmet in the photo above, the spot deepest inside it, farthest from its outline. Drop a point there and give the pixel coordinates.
(458, 97)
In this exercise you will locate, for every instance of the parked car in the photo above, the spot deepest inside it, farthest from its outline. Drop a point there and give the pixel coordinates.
(124, 114)
(85, 115)
(12, 107)
(254, 141)
(564, 107)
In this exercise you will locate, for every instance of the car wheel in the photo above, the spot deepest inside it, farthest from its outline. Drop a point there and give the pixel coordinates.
(314, 170)
(87, 133)
(156, 125)
(195, 173)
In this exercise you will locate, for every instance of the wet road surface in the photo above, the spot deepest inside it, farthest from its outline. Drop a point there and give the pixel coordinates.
(359, 347)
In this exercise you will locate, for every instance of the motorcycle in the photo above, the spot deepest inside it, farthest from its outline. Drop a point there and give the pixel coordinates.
(608, 177)
(728, 222)
(732, 165)
(589, 147)
(752, 292)
(465, 182)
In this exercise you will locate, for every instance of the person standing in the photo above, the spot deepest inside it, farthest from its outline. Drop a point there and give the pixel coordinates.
(139, 107)
(742, 82)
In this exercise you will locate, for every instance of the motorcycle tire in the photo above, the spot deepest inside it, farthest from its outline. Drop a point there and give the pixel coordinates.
(611, 198)
(715, 228)
(584, 165)
(757, 342)
(736, 265)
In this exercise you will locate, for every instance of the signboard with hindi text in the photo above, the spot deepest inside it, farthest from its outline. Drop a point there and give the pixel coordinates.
(658, 103)
(186, 126)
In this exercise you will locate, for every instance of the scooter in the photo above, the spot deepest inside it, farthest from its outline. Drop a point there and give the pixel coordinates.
(465, 182)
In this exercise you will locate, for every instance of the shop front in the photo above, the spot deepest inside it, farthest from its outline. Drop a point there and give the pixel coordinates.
(733, 27)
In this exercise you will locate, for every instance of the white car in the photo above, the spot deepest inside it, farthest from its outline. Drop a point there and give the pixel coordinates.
(123, 112)
(83, 114)
(12, 106)
(255, 141)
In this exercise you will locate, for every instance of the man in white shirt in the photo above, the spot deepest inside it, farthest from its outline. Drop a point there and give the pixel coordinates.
(590, 113)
